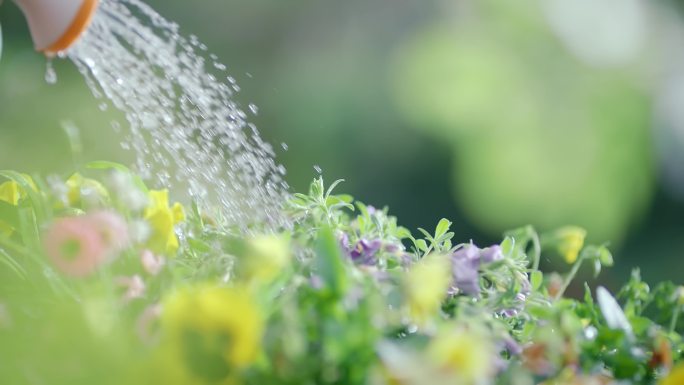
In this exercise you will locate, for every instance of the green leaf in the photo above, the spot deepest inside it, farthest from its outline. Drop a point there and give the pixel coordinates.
(12, 264)
(612, 312)
(605, 256)
(9, 214)
(329, 264)
(316, 190)
(425, 233)
(402, 233)
(345, 198)
(332, 187)
(447, 244)
(34, 197)
(28, 228)
(198, 245)
(507, 246)
(421, 245)
(597, 268)
(106, 165)
(442, 227)
(334, 201)
(536, 279)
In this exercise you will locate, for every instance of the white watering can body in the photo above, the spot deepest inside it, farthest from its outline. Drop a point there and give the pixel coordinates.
(56, 24)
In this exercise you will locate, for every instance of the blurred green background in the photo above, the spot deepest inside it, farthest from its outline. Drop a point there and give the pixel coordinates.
(494, 114)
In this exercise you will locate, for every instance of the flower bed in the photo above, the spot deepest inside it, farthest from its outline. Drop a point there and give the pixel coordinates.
(105, 281)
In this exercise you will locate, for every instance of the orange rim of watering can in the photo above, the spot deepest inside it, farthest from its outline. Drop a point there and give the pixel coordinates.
(80, 23)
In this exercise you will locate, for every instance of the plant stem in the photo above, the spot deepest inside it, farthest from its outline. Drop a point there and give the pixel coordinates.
(675, 317)
(571, 275)
(16, 248)
(536, 249)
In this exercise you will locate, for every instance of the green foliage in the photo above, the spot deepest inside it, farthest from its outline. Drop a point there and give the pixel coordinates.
(344, 296)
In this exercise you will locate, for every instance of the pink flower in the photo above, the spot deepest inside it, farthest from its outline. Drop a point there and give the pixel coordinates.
(135, 287)
(144, 326)
(112, 228)
(75, 246)
(152, 263)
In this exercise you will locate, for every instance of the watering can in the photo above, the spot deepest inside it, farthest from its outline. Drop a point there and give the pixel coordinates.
(55, 24)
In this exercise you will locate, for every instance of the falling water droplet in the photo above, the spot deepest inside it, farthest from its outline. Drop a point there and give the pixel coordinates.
(254, 108)
(103, 106)
(284, 146)
(181, 115)
(116, 126)
(50, 73)
(318, 169)
(248, 75)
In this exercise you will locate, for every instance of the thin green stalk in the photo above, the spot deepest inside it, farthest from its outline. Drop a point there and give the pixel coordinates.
(14, 247)
(536, 250)
(675, 317)
(571, 275)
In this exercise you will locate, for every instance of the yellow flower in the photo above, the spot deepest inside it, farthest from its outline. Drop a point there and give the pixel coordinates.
(162, 220)
(11, 192)
(265, 257)
(212, 331)
(676, 377)
(466, 353)
(570, 241)
(80, 189)
(425, 286)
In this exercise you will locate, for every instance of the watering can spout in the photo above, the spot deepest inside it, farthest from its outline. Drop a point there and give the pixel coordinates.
(56, 24)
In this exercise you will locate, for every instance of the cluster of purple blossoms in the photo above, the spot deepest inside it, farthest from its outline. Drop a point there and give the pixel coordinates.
(465, 266)
(365, 251)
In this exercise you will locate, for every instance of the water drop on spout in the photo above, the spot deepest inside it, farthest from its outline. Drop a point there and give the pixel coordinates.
(50, 73)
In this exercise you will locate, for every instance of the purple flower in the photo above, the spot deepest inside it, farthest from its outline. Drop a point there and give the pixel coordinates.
(512, 312)
(393, 248)
(491, 254)
(365, 250)
(343, 239)
(512, 346)
(465, 264)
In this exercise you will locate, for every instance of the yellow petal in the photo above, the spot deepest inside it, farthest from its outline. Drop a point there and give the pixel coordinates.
(676, 377)
(77, 183)
(215, 311)
(178, 213)
(10, 192)
(426, 286)
(163, 237)
(159, 199)
(570, 242)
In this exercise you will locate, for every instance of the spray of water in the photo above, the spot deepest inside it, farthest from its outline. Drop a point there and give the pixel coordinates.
(186, 130)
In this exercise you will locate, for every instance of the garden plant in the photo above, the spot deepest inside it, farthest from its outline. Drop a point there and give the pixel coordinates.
(105, 281)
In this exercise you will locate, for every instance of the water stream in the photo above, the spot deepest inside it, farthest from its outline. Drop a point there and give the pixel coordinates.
(184, 126)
